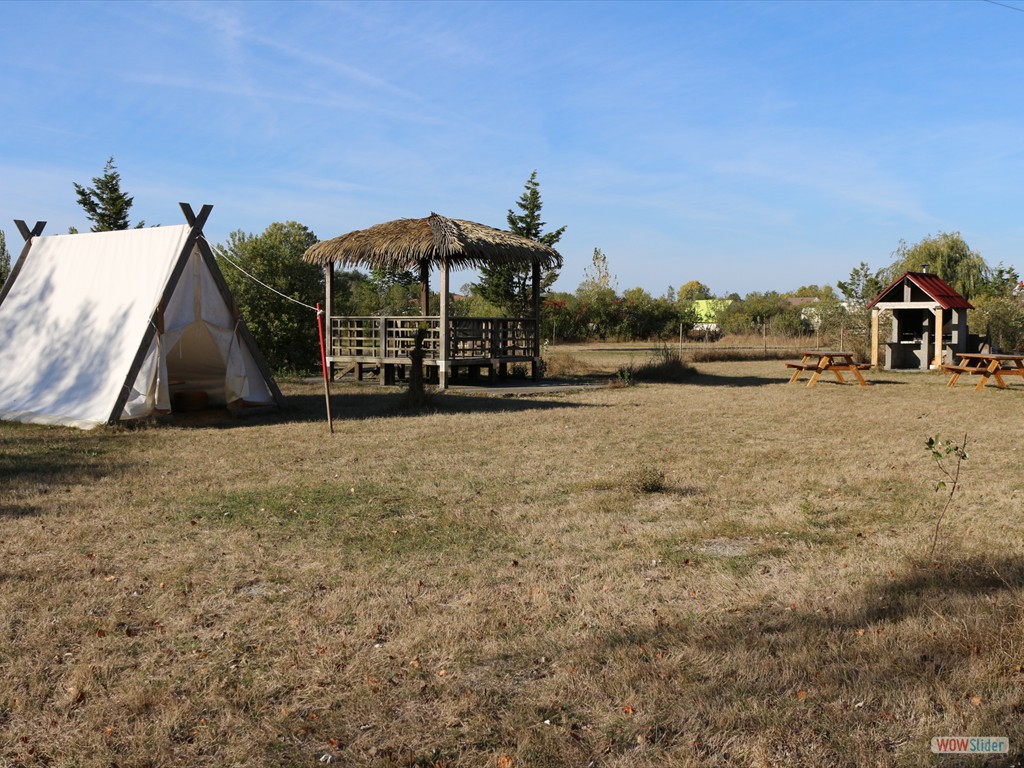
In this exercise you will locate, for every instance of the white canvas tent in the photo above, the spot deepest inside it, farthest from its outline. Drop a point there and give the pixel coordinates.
(105, 326)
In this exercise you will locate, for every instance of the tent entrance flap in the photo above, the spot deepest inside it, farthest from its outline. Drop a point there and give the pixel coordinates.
(203, 361)
(149, 392)
(204, 349)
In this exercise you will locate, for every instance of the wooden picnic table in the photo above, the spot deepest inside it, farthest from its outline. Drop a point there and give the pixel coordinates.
(986, 365)
(818, 361)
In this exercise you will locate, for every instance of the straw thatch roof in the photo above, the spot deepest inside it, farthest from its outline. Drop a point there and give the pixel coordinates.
(408, 243)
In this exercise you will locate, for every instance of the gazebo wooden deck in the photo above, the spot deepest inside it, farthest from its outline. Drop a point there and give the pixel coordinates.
(450, 344)
(385, 344)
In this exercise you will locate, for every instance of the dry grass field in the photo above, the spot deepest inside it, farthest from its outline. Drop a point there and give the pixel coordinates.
(495, 582)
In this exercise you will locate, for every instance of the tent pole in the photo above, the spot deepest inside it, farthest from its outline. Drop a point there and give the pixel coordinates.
(28, 234)
(323, 365)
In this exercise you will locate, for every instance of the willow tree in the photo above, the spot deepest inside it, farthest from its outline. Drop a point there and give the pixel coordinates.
(946, 255)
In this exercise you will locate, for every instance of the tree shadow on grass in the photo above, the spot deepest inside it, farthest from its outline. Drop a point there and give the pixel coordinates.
(863, 675)
(915, 591)
(715, 380)
(347, 407)
(37, 461)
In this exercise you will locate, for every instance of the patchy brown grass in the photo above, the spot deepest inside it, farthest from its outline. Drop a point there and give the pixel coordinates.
(608, 357)
(484, 585)
(564, 364)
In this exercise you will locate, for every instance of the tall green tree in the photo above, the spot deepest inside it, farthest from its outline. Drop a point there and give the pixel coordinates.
(763, 313)
(854, 323)
(1002, 281)
(5, 259)
(1001, 318)
(104, 203)
(999, 309)
(508, 286)
(692, 291)
(389, 292)
(813, 291)
(286, 332)
(862, 286)
(646, 317)
(598, 298)
(948, 256)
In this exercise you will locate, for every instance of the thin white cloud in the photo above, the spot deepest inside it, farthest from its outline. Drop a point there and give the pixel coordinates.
(235, 31)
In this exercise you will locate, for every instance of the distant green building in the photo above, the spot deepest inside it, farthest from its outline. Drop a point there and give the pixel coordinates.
(707, 311)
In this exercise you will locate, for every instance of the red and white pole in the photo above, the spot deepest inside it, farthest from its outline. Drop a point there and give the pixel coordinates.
(323, 366)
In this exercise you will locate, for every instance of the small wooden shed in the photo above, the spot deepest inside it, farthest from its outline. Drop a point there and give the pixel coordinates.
(471, 343)
(929, 322)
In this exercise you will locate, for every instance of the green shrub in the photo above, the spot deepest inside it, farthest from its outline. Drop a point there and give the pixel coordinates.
(647, 478)
(667, 366)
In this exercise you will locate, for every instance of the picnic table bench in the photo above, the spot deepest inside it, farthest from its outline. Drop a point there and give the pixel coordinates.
(818, 361)
(987, 365)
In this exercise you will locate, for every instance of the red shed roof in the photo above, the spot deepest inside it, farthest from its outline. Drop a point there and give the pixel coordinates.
(938, 290)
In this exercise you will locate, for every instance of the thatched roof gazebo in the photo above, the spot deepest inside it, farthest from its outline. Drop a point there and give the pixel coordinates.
(420, 245)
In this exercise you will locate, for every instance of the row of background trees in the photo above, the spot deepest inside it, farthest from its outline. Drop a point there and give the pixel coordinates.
(596, 310)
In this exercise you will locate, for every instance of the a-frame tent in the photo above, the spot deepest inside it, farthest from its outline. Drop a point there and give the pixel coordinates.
(100, 327)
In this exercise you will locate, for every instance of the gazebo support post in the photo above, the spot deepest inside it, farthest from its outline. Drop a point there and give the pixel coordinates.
(536, 321)
(424, 306)
(937, 363)
(443, 353)
(328, 292)
(424, 287)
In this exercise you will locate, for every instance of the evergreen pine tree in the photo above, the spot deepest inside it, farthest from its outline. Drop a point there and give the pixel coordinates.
(105, 205)
(509, 286)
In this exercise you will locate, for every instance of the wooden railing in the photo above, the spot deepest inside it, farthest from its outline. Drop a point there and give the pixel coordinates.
(492, 337)
(383, 337)
(390, 338)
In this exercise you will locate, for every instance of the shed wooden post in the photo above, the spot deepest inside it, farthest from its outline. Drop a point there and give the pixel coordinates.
(443, 352)
(874, 337)
(937, 362)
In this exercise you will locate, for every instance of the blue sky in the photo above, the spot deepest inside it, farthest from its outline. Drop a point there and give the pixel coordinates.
(748, 145)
